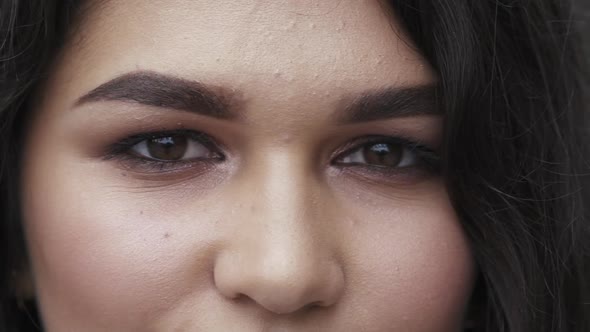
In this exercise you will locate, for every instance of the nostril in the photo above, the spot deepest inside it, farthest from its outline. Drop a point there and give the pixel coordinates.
(242, 298)
(313, 305)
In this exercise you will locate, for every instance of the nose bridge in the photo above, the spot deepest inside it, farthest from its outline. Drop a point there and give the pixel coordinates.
(288, 191)
(279, 257)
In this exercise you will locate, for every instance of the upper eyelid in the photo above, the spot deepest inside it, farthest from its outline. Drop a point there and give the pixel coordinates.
(164, 133)
(196, 135)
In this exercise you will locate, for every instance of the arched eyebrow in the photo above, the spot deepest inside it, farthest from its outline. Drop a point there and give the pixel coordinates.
(390, 102)
(171, 92)
(165, 91)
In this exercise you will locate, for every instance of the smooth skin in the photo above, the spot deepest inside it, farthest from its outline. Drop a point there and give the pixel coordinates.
(282, 223)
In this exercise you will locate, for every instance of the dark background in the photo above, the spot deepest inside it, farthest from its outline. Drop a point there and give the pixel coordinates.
(582, 10)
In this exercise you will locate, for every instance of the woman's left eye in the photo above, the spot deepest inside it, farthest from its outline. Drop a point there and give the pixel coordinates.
(381, 155)
(387, 154)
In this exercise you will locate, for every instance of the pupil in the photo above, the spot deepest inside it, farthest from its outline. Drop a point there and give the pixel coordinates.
(383, 154)
(168, 147)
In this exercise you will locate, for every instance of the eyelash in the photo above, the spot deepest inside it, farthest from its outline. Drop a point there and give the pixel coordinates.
(428, 159)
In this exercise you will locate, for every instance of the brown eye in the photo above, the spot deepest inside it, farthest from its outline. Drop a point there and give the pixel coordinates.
(382, 155)
(171, 148)
(167, 148)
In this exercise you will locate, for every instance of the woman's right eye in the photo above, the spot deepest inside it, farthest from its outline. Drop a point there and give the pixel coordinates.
(165, 151)
(170, 148)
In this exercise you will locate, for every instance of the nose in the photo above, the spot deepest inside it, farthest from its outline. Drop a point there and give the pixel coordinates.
(281, 254)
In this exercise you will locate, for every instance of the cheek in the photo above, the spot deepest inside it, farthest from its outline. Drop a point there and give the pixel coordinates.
(115, 250)
(410, 260)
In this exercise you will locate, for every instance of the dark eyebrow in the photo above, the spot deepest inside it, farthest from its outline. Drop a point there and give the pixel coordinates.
(160, 90)
(394, 102)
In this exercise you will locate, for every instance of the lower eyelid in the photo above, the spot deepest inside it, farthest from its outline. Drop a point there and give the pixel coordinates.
(146, 166)
(386, 177)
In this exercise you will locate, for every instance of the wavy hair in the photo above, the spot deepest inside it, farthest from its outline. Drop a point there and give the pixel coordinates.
(516, 149)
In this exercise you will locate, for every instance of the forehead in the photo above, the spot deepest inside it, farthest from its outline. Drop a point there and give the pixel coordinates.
(258, 44)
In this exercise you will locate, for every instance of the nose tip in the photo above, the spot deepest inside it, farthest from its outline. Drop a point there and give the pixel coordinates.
(280, 285)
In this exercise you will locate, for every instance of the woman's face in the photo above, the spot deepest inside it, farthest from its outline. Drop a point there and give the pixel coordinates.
(241, 166)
